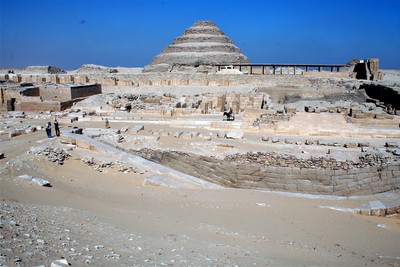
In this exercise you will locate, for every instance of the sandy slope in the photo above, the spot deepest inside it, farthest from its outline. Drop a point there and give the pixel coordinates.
(151, 226)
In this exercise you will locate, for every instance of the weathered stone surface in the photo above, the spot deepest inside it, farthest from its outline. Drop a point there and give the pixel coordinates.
(221, 134)
(60, 263)
(392, 144)
(201, 45)
(25, 177)
(41, 182)
(234, 135)
(77, 131)
(137, 128)
(178, 134)
(377, 208)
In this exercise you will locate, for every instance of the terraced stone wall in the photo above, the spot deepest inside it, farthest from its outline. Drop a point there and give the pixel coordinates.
(262, 171)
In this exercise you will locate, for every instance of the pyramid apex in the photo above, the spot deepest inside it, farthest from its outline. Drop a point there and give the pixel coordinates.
(204, 23)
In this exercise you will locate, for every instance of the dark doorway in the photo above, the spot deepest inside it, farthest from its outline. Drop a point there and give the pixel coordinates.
(11, 104)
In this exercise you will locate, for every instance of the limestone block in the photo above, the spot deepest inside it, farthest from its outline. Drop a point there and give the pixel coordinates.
(377, 208)
(365, 209)
(205, 137)
(325, 142)
(186, 135)
(275, 139)
(178, 134)
(290, 187)
(41, 182)
(137, 128)
(234, 135)
(221, 134)
(31, 129)
(396, 152)
(309, 142)
(60, 263)
(14, 133)
(392, 144)
(67, 140)
(351, 145)
(363, 144)
(77, 131)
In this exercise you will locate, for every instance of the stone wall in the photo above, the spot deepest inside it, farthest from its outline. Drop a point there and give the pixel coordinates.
(36, 106)
(85, 90)
(19, 94)
(56, 93)
(371, 174)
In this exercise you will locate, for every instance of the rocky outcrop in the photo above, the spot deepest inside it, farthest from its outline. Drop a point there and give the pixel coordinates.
(201, 45)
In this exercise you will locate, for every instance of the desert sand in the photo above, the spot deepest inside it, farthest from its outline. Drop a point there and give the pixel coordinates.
(111, 218)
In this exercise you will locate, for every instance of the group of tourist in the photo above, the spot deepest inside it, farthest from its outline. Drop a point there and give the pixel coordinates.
(56, 128)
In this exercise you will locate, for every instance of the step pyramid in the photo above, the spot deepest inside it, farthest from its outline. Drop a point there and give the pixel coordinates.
(203, 44)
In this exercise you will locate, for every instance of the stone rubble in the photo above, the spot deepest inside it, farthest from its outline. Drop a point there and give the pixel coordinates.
(35, 235)
(53, 154)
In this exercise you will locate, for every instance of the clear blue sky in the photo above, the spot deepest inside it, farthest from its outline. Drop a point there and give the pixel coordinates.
(127, 33)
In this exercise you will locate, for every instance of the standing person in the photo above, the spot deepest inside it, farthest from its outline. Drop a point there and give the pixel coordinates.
(48, 129)
(107, 124)
(56, 127)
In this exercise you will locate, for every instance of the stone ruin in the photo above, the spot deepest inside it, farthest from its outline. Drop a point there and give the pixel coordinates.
(199, 48)
(367, 69)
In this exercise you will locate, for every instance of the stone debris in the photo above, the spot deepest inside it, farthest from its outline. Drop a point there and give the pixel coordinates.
(36, 235)
(60, 263)
(392, 144)
(102, 165)
(77, 131)
(234, 135)
(41, 182)
(221, 134)
(178, 134)
(137, 128)
(380, 208)
(54, 154)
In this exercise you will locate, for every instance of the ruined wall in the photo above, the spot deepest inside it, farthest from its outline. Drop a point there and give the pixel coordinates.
(15, 93)
(285, 173)
(325, 74)
(37, 106)
(85, 90)
(56, 93)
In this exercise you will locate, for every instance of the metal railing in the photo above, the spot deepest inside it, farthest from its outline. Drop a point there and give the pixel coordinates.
(277, 68)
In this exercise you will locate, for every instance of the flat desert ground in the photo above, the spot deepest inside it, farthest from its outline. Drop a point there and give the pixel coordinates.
(111, 218)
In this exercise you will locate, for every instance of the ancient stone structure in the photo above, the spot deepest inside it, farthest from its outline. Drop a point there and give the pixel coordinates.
(50, 97)
(371, 174)
(367, 69)
(201, 45)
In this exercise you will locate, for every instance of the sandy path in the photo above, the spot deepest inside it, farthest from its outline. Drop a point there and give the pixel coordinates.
(208, 227)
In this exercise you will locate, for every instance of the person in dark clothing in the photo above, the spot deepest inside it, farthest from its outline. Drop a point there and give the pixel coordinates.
(56, 127)
(230, 116)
